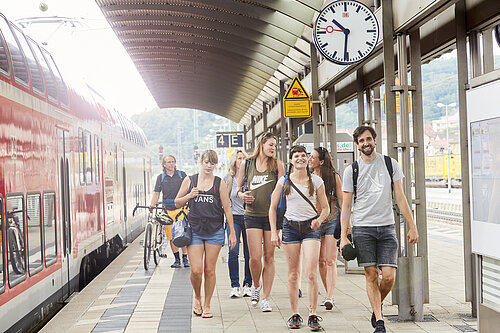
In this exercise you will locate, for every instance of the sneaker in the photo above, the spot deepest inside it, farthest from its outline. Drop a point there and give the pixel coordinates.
(373, 319)
(255, 296)
(247, 291)
(380, 327)
(328, 303)
(235, 292)
(185, 261)
(313, 322)
(295, 321)
(264, 306)
(176, 264)
(322, 303)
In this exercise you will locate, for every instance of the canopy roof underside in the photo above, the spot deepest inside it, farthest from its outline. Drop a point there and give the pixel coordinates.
(222, 56)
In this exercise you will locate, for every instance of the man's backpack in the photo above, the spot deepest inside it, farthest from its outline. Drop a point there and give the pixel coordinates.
(163, 174)
(355, 174)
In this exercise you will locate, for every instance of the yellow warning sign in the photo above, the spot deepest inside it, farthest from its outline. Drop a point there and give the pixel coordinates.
(297, 102)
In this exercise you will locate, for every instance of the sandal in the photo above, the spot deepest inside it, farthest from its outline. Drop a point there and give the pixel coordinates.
(207, 315)
(198, 311)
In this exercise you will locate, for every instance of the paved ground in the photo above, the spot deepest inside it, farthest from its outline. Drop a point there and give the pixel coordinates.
(125, 298)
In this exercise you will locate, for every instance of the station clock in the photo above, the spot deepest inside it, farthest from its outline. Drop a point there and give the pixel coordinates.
(345, 32)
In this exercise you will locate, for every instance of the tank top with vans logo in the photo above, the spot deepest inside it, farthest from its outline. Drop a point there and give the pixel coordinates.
(206, 214)
(261, 185)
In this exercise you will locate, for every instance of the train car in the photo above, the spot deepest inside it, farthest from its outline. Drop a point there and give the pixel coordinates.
(436, 170)
(72, 170)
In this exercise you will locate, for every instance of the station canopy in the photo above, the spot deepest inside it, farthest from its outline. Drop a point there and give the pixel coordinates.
(222, 56)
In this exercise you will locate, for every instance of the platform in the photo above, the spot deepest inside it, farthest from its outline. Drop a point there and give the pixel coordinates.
(125, 298)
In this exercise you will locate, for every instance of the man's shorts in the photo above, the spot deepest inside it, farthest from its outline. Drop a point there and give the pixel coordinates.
(377, 246)
(173, 214)
(257, 222)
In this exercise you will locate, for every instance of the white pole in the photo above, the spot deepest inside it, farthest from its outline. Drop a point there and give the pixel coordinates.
(448, 150)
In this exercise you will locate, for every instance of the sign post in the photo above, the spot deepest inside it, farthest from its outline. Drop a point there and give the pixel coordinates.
(297, 102)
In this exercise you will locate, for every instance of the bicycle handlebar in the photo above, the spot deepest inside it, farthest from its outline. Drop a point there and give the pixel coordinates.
(146, 207)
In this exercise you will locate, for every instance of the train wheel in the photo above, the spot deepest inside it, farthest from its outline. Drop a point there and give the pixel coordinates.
(158, 245)
(16, 254)
(147, 246)
(85, 272)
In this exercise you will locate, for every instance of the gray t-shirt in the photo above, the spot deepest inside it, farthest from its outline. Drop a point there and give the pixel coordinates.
(236, 202)
(373, 206)
(297, 209)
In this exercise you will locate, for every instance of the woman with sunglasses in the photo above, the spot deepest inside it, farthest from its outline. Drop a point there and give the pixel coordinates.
(321, 162)
(261, 172)
(237, 208)
(301, 230)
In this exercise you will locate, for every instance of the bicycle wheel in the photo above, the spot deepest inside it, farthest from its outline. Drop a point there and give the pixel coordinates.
(16, 254)
(158, 245)
(147, 246)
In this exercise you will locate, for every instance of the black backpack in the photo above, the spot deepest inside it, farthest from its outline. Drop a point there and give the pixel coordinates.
(355, 174)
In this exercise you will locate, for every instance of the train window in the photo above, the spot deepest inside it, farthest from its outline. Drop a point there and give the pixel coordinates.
(49, 227)
(81, 151)
(2, 271)
(50, 81)
(34, 219)
(16, 234)
(35, 71)
(88, 157)
(4, 58)
(61, 87)
(19, 66)
(97, 156)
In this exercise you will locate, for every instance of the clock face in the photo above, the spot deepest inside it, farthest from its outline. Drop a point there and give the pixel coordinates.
(345, 32)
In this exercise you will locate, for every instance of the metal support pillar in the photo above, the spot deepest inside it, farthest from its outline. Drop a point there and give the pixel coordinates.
(390, 100)
(488, 60)
(264, 116)
(469, 269)
(324, 120)
(315, 95)
(369, 109)
(283, 124)
(475, 53)
(245, 145)
(378, 117)
(360, 92)
(332, 130)
(419, 158)
(252, 128)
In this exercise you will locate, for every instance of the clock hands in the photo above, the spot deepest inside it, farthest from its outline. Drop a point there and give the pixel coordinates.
(346, 34)
(330, 29)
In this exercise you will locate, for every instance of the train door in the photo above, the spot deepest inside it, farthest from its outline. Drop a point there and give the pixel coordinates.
(124, 196)
(64, 208)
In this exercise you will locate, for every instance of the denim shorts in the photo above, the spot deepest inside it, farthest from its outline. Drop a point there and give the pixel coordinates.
(290, 235)
(258, 222)
(327, 228)
(217, 238)
(377, 246)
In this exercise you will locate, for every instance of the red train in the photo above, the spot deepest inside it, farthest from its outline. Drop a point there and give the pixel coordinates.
(72, 169)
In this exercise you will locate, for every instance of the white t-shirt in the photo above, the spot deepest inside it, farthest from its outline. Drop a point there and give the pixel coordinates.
(373, 206)
(297, 208)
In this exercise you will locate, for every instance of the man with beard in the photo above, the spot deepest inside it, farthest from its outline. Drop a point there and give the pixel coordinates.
(373, 231)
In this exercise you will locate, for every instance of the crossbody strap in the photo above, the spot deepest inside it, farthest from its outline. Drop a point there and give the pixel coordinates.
(303, 196)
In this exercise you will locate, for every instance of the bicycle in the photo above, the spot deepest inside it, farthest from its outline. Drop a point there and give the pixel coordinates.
(15, 243)
(153, 234)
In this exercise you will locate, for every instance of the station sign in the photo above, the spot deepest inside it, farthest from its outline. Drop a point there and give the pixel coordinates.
(226, 140)
(297, 102)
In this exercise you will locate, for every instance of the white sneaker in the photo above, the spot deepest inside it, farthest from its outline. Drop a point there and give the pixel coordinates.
(264, 305)
(328, 303)
(255, 296)
(322, 303)
(247, 291)
(235, 292)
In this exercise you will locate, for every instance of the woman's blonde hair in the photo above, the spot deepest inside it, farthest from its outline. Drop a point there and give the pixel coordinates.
(232, 162)
(272, 162)
(211, 155)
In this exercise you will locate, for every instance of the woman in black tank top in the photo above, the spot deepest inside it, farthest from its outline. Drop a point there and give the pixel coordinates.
(208, 203)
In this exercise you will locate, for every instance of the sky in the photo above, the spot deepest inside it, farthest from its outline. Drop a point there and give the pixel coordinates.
(87, 49)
